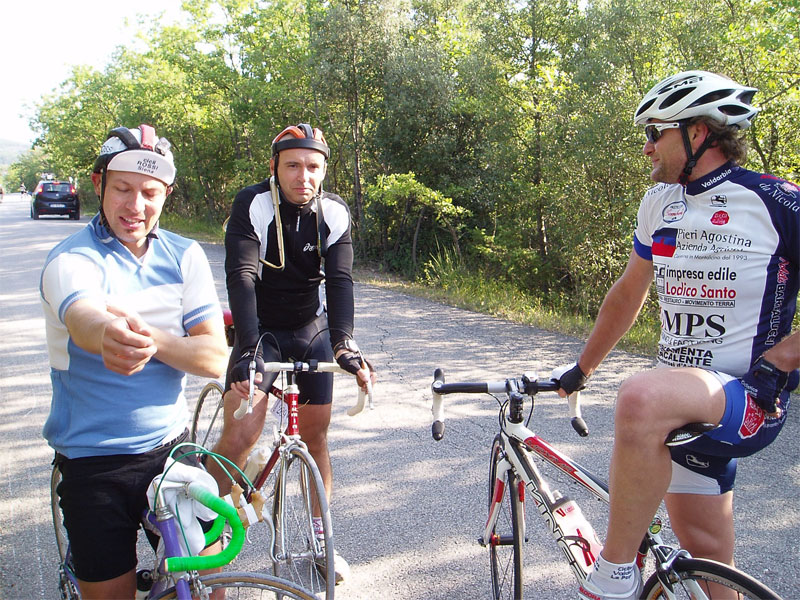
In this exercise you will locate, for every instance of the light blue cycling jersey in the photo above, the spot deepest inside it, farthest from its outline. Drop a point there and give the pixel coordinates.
(725, 252)
(95, 411)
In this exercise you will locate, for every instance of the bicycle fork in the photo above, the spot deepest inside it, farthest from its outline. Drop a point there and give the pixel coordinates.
(499, 488)
(580, 546)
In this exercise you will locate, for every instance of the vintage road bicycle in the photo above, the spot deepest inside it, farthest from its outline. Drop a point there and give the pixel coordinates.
(175, 573)
(514, 476)
(286, 474)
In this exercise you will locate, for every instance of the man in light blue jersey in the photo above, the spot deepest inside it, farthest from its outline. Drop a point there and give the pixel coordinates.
(723, 246)
(129, 310)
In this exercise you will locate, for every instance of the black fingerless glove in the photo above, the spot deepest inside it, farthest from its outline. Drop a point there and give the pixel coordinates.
(241, 368)
(764, 382)
(573, 380)
(351, 360)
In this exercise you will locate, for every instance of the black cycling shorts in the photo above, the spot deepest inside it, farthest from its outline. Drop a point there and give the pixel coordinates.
(102, 500)
(311, 341)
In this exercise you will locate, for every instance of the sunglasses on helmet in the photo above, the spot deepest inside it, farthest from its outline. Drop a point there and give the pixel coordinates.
(653, 131)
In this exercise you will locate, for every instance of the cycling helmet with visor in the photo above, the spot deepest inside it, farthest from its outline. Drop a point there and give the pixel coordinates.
(672, 102)
(137, 150)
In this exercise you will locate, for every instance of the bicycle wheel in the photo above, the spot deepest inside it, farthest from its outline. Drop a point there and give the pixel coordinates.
(505, 545)
(66, 581)
(299, 555)
(208, 417)
(247, 586)
(691, 576)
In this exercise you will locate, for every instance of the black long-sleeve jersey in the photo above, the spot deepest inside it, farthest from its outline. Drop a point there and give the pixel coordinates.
(262, 297)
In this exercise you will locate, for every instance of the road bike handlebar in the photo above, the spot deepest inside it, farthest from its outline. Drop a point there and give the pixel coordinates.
(529, 385)
(312, 366)
(199, 563)
(526, 385)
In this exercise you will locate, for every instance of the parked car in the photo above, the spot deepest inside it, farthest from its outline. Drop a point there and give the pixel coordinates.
(52, 197)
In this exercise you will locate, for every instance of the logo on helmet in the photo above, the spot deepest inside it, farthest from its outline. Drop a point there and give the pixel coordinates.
(688, 81)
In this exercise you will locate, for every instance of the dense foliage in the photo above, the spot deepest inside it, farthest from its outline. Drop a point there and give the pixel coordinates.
(496, 133)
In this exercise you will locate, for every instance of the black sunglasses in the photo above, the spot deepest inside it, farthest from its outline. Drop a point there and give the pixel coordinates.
(653, 131)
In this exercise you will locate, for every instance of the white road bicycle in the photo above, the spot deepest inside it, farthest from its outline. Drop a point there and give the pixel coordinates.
(515, 476)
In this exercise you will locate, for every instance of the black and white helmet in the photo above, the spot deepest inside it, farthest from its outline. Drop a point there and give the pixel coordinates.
(137, 150)
(695, 94)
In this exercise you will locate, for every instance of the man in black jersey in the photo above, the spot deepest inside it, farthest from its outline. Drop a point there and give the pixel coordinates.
(285, 238)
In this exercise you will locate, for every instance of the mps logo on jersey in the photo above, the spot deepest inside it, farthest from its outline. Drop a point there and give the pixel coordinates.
(665, 241)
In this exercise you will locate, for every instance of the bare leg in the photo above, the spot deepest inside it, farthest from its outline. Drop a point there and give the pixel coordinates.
(704, 526)
(122, 587)
(314, 422)
(650, 405)
(238, 436)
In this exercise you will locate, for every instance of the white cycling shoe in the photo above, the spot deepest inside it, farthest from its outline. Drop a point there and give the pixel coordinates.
(341, 569)
(589, 591)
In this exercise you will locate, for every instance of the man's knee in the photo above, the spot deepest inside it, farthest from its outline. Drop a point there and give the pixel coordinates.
(242, 434)
(635, 402)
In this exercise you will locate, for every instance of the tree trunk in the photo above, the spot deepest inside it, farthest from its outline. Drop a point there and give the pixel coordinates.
(414, 241)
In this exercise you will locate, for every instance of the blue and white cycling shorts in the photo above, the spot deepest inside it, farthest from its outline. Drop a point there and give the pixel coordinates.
(707, 464)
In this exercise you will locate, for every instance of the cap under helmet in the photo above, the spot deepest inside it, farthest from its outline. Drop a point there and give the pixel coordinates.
(695, 94)
(137, 150)
(300, 136)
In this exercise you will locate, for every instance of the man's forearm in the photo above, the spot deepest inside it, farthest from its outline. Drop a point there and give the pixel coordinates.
(204, 354)
(785, 354)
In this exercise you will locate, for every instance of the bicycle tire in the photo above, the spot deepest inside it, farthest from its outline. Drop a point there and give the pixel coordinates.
(247, 586)
(66, 587)
(693, 572)
(507, 534)
(299, 556)
(207, 420)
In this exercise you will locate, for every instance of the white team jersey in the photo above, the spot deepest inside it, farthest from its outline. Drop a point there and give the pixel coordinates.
(725, 253)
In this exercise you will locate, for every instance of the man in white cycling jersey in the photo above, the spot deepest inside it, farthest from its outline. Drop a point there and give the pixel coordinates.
(723, 246)
(129, 309)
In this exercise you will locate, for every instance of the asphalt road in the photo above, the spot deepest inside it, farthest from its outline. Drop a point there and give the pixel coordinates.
(406, 510)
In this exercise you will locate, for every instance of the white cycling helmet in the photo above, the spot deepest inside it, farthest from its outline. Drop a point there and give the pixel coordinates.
(137, 150)
(695, 94)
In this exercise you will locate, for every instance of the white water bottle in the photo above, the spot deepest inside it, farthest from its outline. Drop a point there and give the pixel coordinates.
(579, 534)
(255, 462)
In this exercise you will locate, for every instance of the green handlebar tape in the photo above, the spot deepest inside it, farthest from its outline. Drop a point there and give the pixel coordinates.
(202, 563)
(212, 535)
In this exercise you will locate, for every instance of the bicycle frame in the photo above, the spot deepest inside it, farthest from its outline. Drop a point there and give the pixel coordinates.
(282, 447)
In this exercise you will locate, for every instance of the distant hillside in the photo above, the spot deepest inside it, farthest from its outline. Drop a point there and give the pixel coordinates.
(9, 151)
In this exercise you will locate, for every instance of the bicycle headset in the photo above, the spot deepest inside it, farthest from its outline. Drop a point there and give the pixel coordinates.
(306, 137)
(697, 94)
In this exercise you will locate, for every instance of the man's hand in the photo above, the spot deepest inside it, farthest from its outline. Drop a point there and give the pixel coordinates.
(764, 382)
(127, 343)
(572, 380)
(351, 359)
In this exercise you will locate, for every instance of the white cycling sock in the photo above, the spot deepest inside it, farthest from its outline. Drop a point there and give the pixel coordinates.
(614, 578)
